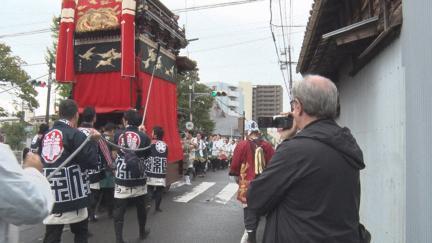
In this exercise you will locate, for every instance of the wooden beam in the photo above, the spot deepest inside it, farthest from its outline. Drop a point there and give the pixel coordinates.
(375, 47)
(370, 7)
(348, 12)
(385, 13)
(356, 35)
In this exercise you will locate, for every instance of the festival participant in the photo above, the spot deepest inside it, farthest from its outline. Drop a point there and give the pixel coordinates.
(224, 153)
(103, 158)
(216, 147)
(188, 157)
(36, 142)
(200, 160)
(156, 166)
(250, 157)
(130, 182)
(107, 184)
(69, 184)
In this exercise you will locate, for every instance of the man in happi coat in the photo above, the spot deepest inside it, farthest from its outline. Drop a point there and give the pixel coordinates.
(156, 166)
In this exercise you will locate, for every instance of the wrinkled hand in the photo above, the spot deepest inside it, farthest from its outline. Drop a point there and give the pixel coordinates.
(95, 135)
(289, 133)
(33, 161)
(142, 128)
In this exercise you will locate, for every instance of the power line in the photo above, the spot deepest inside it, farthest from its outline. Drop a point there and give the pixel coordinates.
(26, 65)
(210, 6)
(283, 35)
(288, 25)
(33, 64)
(32, 32)
(22, 24)
(234, 44)
(275, 45)
(7, 90)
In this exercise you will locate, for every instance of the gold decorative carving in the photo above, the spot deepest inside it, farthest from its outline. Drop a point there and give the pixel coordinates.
(98, 19)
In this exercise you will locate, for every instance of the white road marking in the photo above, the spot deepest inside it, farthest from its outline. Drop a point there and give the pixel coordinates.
(202, 187)
(177, 184)
(226, 194)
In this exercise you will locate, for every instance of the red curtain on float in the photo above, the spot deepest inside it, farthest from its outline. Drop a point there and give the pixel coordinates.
(162, 111)
(108, 92)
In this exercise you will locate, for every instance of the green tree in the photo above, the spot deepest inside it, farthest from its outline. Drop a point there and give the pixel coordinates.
(200, 105)
(3, 113)
(12, 73)
(63, 89)
(15, 134)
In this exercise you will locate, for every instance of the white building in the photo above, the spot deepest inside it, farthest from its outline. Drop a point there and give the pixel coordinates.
(383, 72)
(247, 90)
(233, 102)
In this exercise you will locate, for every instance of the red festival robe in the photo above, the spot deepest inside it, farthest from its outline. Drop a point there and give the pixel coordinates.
(243, 164)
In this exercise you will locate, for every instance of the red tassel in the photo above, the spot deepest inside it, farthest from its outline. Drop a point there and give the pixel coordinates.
(128, 38)
(65, 71)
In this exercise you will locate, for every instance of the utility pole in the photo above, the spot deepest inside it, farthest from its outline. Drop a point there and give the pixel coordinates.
(49, 90)
(191, 97)
(290, 70)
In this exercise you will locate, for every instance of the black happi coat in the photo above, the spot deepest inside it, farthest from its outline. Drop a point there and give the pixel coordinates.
(156, 163)
(69, 185)
(97, 174)
(134, 139)
(310, 192)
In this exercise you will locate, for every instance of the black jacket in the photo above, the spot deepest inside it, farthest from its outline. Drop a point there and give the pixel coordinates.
(134, 139)
(69, 185)
(156, 163)
(310, 192)
(97, 174)
(36, 144)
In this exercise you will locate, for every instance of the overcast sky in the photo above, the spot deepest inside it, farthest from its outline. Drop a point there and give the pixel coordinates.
(234, 43)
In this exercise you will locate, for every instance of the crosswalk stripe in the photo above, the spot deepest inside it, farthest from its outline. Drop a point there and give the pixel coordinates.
(225, 195)
(202, 187)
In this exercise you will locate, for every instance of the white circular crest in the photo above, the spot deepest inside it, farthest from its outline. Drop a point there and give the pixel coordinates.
(189, 125)
(160, 147)
(133, 140)
(52, 146)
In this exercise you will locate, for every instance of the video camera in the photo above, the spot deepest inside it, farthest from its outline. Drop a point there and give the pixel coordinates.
(284, 122)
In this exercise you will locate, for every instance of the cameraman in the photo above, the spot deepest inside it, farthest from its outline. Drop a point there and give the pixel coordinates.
(310, 192)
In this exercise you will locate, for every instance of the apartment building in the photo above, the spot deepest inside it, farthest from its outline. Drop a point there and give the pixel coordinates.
(267, 101)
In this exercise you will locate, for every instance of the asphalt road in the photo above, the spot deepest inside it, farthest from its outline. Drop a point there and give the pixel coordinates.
(206, 211)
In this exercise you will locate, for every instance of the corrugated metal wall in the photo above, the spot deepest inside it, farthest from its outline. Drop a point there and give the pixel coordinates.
(373, 107)
(417, 59)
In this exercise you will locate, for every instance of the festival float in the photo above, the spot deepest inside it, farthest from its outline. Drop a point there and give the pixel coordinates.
(120, 55)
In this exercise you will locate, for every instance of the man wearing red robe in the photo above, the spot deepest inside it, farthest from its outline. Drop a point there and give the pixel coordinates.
(246, 164)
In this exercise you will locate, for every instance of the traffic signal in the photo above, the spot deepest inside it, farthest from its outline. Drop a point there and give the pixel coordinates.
(215, 93)
(36, 83)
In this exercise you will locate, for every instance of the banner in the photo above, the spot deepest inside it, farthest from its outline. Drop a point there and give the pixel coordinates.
(98, 57)
(165, 67)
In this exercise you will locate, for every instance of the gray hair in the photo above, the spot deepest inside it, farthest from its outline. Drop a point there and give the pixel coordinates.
(318, 96)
